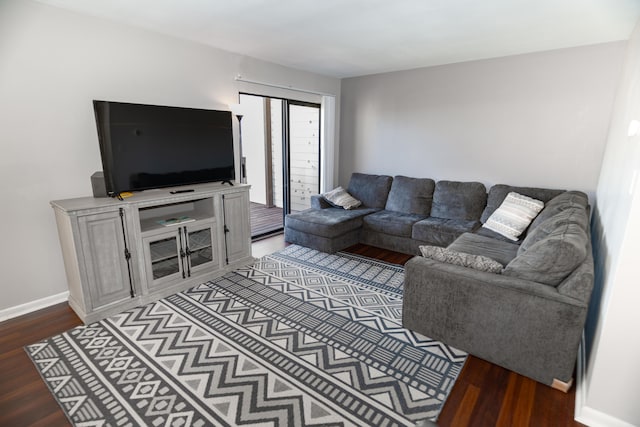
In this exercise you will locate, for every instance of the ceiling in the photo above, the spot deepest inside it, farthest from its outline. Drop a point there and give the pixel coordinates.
(345, 38)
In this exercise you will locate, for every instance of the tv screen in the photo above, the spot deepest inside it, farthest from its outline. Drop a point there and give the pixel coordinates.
(151, 146)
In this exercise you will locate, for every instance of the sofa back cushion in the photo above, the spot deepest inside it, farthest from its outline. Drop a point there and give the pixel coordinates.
(579, 284)
(411, 195)
(565, 200)
(459, 200)
(371, 190)
(499, 192)
(570, 215)
(551, 259)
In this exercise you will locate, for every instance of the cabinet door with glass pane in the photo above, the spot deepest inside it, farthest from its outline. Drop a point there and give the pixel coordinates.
(180, 253)
(200, 248)
(164, 260)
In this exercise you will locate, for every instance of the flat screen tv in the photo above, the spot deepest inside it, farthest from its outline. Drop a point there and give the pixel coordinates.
(152, 146)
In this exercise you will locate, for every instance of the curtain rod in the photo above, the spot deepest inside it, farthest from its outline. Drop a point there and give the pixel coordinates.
(239, 78)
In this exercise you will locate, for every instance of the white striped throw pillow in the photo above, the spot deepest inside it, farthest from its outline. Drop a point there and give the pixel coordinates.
(514, 215)
(339, 198)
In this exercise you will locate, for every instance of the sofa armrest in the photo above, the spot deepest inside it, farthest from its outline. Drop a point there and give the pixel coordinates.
(435, 271)
(319, 202)
(521, 325)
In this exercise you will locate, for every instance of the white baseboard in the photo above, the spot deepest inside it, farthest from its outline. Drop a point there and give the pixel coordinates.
(19, 310)
(583, 413)
(594, 418)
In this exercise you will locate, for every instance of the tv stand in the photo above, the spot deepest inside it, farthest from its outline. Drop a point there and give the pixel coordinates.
(119, 254)
(228, 182)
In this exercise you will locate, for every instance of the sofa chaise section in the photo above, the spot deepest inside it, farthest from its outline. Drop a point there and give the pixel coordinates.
(327, 230)
(331, 229)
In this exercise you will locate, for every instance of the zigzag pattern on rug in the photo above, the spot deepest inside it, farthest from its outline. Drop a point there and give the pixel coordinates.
(300, 338)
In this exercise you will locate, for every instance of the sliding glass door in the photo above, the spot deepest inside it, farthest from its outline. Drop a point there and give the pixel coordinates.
(281, 144)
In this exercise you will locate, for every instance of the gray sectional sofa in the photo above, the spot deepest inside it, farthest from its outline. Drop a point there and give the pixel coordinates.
(398, 214)
(527, 318)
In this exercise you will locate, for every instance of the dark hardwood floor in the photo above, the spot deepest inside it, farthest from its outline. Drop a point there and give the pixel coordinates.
(488, 395)
(24, 397)
(484, 394)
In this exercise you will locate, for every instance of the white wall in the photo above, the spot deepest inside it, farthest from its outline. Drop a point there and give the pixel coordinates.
(536, 120)
(611, 387)
(52, 64)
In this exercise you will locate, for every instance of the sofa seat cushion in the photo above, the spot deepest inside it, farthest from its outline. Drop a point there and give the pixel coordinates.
(330, 222)
(475, 244)
(411, 195)
(394, 223)
(459, 200)
(441, 231)
(483, 231)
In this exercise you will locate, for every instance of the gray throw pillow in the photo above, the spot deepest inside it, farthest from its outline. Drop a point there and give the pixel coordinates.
(477, 262)
(339, 197)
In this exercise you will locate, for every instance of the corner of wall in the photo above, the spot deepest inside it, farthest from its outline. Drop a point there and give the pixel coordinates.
(583, 413)
(600, 255)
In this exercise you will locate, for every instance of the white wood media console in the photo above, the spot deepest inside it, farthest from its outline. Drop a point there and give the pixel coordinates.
(119, 254)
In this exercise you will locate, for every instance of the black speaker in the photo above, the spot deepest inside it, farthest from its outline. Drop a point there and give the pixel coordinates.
(97, 185)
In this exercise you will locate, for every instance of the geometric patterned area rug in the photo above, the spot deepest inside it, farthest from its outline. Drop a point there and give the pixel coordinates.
(299, 338)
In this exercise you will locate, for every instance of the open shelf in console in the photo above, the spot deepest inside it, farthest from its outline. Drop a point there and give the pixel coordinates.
(174, 214)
